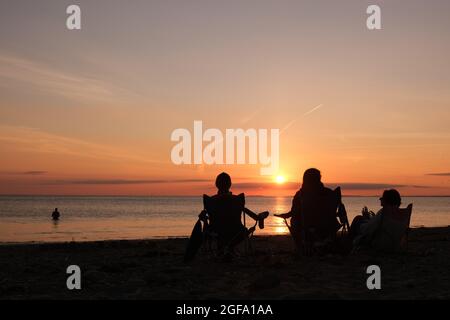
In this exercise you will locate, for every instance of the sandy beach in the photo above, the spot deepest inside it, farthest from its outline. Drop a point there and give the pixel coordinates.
(153, 269)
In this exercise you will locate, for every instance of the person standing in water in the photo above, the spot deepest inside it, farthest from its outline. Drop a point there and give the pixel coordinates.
(55, 214)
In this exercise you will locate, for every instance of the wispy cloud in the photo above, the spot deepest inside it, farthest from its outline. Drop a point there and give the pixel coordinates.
(27, 173)
(35, 140)
(43, 78)
(34, 173)
(119, 181)
(373, 186)
(443, 174)
(343, 185)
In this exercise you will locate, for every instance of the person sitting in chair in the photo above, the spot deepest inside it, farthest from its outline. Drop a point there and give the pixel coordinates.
(224, 211)
(313, 212)
(379, 230)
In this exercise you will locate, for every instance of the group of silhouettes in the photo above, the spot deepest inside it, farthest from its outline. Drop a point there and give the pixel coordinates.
(316, 216)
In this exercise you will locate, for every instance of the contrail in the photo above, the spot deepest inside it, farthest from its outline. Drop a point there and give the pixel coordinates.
(254, 114)
(288, 125)
(313, 109)
(304, 115)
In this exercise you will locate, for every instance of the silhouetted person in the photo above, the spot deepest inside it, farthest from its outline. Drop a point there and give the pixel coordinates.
(56, 215)
(221, 219)
(313, 211)
(225, 212)
(364, 226)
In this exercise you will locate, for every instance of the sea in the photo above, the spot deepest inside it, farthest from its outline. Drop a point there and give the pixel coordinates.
(26, 219)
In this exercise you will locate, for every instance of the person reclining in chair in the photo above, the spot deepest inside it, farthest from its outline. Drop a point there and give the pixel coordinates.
(313, 212)
(383, 230)
(224, 212)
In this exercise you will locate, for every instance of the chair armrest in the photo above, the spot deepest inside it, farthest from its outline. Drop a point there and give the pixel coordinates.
(283, 215)
(250, 213)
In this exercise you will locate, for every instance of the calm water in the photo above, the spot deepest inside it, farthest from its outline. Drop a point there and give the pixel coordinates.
(24, 219)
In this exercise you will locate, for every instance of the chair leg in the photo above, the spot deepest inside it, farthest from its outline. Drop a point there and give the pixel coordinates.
(247, 246)
(250, 245)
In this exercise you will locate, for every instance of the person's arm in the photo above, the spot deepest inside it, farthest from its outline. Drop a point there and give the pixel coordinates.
(251, 214)
(369, 229)
(295, 207)
(286, 215)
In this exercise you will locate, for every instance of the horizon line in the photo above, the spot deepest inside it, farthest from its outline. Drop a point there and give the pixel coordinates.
(177, 196)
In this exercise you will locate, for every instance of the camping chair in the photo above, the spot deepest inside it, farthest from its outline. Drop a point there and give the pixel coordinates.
(393, 231)
(216, 218)
(308, 241)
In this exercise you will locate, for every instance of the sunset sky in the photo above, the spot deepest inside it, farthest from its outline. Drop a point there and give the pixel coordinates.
(91, 111)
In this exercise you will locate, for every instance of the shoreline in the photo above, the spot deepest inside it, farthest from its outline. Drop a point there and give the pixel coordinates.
(31, 243)
(159, 238)
(153, 269)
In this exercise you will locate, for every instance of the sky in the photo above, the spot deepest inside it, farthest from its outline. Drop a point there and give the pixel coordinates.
(91, 111)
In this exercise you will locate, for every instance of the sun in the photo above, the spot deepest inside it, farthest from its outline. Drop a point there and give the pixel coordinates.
(280, 179)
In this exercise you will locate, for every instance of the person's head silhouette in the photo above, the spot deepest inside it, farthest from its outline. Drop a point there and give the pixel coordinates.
(311, 180)
(391, 198)
(223, 183)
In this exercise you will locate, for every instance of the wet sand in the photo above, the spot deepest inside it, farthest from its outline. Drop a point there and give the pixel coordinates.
(153, 269)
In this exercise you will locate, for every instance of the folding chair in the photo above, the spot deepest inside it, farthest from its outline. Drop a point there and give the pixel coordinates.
(393, 231)
(216, 220)
(307, 240)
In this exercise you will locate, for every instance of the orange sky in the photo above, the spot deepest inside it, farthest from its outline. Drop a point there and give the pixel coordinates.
(91, 111)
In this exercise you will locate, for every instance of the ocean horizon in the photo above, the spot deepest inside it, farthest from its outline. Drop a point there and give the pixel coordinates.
(94, 218)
